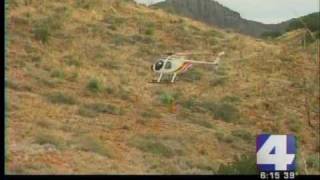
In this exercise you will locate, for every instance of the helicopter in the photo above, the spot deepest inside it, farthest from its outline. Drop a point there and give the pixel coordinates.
(176, 63)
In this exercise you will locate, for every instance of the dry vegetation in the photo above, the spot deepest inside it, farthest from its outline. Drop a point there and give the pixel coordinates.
(79, 100)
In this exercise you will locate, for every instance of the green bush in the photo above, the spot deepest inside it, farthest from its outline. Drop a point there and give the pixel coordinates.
(94, 85)
(168, 98)
(244, 165)
(60, 98)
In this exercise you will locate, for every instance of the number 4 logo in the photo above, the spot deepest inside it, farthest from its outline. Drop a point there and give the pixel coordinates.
(276, 152)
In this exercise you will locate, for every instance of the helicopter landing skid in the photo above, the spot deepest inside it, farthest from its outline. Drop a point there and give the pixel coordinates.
(161, 82)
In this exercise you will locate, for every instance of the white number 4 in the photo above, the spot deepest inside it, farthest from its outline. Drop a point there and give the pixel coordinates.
(279, 158)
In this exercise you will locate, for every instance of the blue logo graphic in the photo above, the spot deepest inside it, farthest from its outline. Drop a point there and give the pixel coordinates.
(276, 152)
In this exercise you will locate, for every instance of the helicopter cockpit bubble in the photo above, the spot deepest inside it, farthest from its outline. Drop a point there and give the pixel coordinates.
(159, 65)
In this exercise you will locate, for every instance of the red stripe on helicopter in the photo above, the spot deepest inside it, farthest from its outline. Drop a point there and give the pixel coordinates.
(184, 67)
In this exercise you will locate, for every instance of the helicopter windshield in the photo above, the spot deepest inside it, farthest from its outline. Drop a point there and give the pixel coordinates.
(159, 65)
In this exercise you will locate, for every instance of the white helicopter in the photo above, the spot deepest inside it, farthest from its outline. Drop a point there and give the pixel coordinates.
(177, 63)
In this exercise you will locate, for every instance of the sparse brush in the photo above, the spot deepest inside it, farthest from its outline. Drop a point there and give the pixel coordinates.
(92, 144)
(93, 110)
(50, 138)
(58, 73)
(42, 32)
(246, 164)
(201, 122)
(89, 4)
(223, 111)
(72, 61)
(192, 75)
(60, 98)
(313, 161)
(152, 145)
(243, 134)
(150, 113)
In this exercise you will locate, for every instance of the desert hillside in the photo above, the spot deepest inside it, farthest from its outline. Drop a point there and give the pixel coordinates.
(79, 97)
(213, 13)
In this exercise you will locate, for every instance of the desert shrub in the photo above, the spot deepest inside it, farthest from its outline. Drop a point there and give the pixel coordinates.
(200, 122)
(73, 76)
(243, 134)
(313, 161)
(218, 81)
(42, 32)
(112, 64)
(150, 113)
(92, 144)
(119, 40)
(17, 86)
(246, 164)
(89, 4)
(114, 22)
(223, 111)
(94, 85)
(271, 34)
(192, 75)
(110, 90)
(85, 112)
(231, 99)
(73, 61)
(295, 124)
(149, 28)
(123, 93)
(221, 136)
(49, 138)
(152, 145)
(44, 28)
(58, 73)
(93, 110)
(60, 98)
(149, 31)
(140, 39)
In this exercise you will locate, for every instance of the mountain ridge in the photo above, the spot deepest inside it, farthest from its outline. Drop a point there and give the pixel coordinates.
(213, 13)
